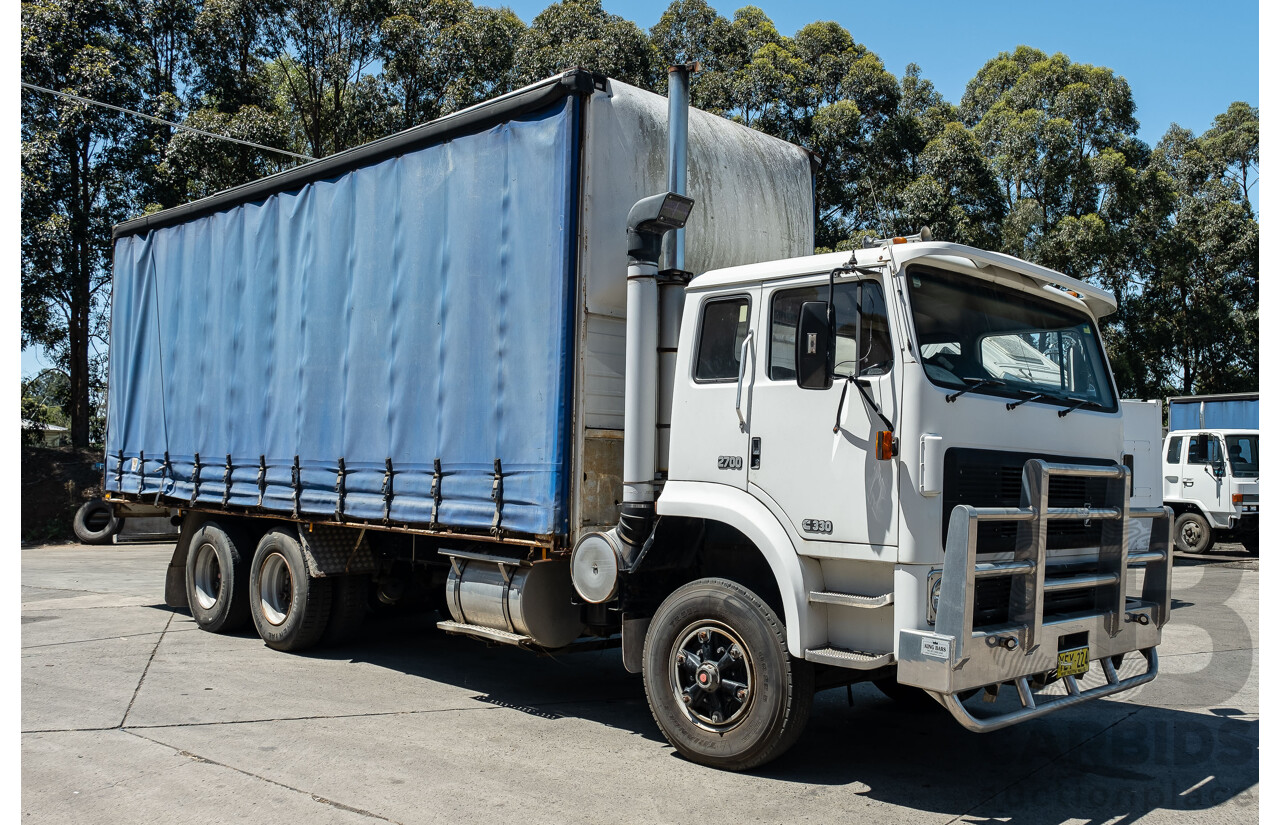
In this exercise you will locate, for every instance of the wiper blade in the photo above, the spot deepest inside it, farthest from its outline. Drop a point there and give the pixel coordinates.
(1074, 407)
(975, 384)
(1031, 396)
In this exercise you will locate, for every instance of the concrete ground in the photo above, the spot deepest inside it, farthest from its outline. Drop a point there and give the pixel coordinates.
(132, 714)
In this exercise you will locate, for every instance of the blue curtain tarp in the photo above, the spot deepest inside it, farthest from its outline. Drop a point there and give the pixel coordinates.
(1228, 414)
(416, 310)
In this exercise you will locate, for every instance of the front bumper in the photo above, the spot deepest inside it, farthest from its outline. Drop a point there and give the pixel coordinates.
(954, 657)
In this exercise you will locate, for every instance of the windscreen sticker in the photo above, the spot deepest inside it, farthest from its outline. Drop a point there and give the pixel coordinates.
(936, 648)
(1086, 330)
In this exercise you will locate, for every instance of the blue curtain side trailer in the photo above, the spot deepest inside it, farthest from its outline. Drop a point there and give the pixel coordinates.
(425, 333)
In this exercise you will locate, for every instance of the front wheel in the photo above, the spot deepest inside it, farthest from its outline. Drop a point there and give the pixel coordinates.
(720, 681)
(1192, 533)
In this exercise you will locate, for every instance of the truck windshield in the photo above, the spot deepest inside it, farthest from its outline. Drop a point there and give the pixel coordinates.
(1242, 450)
(1022, 346)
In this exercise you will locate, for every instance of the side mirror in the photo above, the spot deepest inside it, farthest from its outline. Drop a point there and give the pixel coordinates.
(1219, 468)
(813, 347)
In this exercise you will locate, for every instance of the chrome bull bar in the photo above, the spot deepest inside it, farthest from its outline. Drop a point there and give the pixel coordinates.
(954, 657)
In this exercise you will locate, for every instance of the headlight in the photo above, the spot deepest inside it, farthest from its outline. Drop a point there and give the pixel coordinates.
(935, 596)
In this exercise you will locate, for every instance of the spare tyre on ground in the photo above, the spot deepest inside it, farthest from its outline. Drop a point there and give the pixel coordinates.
(95, 522)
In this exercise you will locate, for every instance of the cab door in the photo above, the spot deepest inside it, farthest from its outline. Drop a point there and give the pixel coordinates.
(1173, 469)
(712, 397)
(1200, 481)
(812, 455)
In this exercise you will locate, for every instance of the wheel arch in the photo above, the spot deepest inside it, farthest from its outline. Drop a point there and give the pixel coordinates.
(794, 575)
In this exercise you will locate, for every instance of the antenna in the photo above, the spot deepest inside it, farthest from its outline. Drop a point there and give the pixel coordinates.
(884, 233)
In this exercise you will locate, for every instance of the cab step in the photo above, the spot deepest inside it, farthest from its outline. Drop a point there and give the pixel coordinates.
(849, 599)
(857, 660)
(487, 633)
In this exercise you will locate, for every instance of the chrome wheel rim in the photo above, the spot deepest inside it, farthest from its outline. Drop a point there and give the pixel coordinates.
(208, 576)
(711, 676)
(1192, 535)
(275, 588)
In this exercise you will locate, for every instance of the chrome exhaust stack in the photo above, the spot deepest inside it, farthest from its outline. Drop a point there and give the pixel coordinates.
(654, 303)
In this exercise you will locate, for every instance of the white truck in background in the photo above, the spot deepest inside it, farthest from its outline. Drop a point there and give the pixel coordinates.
(1211, 470)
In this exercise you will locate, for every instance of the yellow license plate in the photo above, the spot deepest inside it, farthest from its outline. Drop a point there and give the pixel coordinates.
(1073, 662)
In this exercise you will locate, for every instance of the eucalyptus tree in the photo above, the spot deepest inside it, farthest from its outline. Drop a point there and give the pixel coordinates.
(1061, 138)
(581, 33)
(231, 91)
(439, 56)
(1232, 143)
(1192, 320)
(80, 171)
(691, 31)
(325, 55)
(956, 193)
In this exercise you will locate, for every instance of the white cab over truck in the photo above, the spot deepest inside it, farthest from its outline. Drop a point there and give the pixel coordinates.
(1211, 470)
(447, 368)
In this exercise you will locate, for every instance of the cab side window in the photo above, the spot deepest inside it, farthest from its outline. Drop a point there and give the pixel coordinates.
(863, 346)
(724, 327)
(875, 350)
(1174, 456)
(1203, 449)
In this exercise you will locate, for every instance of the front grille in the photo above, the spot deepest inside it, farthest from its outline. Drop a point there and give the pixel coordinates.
(993, 478)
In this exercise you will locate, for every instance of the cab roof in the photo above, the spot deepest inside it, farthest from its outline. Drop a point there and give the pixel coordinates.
(1099, 301)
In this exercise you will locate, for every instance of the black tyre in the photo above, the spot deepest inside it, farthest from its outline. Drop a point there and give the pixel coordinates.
(1250, 543)
(289, 608)
(347, 612)
(95, 522)
(217, 578)
(720, 682)
(1192, 533)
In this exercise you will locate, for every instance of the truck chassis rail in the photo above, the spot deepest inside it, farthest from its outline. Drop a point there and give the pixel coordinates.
(955, 657)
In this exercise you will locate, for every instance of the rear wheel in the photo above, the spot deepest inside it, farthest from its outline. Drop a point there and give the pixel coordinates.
(720, 681)
(217, 578)
(289, 608)
(1192, 533)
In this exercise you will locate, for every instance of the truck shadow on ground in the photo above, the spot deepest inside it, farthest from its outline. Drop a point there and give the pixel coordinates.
(1106, 761)
(1228, 554)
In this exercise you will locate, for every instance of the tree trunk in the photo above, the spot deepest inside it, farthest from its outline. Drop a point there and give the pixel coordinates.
(80, 270)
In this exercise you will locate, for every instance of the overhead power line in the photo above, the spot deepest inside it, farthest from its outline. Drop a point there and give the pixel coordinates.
(155, 119)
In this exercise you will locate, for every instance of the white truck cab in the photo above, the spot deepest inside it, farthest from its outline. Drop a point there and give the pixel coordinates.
(939, 490)
(1211, 470)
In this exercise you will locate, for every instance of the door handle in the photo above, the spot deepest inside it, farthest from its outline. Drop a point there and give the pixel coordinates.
(742, 370)
(1187, 482)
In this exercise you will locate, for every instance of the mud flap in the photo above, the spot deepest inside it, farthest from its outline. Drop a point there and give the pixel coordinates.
(175, 579)
(633, 633)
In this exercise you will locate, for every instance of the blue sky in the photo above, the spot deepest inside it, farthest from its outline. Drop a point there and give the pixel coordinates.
(1185, 61)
